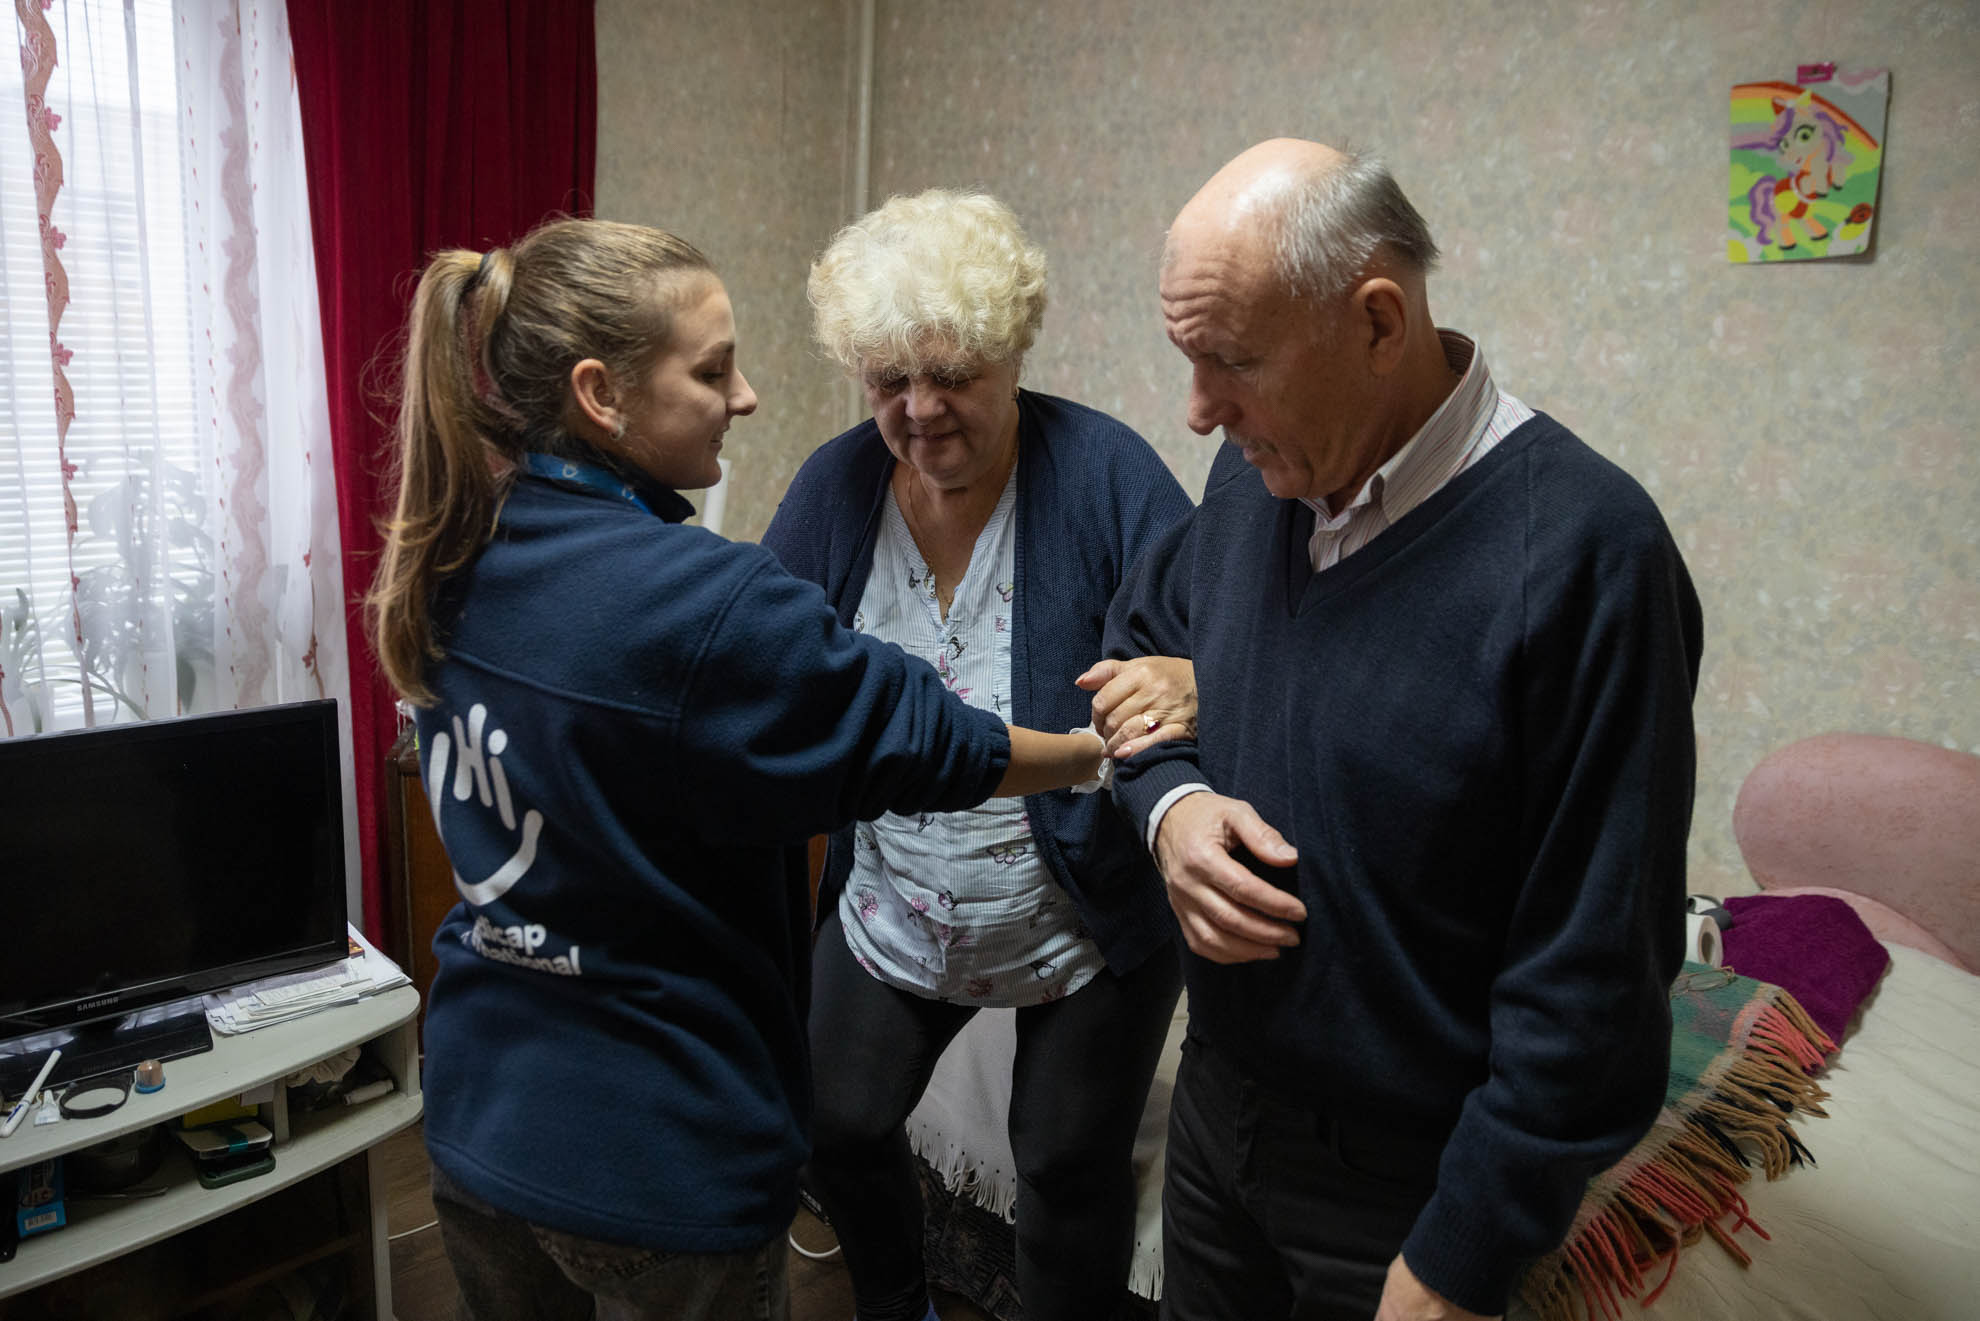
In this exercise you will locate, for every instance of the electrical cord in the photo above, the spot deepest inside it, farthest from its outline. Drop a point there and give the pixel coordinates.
(809, 1202)
(408, 1233)
(807, 1253)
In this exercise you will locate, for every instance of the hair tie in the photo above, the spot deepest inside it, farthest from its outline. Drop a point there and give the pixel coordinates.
(480, 271)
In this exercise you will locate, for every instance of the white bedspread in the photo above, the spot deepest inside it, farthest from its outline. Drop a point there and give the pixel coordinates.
(962, 1129)
(1886, 1228)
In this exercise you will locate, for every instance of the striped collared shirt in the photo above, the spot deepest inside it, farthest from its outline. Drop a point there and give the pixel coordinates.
(1465, 427)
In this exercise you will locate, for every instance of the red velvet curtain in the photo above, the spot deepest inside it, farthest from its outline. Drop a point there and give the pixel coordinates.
(427, 124)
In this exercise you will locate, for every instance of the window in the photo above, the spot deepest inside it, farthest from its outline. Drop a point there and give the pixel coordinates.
(139, 570)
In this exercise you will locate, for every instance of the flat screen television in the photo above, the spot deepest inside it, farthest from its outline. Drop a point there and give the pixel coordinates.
(145, 863)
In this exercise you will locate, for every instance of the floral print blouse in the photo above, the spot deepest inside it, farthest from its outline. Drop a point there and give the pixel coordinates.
(958, 905)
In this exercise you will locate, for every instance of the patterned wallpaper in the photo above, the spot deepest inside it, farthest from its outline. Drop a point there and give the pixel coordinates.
(1808, 430)
(729, 124)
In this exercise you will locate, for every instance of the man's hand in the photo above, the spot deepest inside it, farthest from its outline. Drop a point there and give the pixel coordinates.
(1141, 702)
(1406, 1298)
(1228, 915)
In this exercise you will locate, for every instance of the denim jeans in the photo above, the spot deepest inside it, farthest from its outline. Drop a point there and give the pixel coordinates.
(510, 1268)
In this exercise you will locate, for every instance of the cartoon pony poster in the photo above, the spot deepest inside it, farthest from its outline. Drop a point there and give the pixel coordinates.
(1806, 160)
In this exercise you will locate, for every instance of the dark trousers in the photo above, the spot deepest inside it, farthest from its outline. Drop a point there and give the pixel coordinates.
(1079, 1082)
(1271, 1210)
(510, 1268)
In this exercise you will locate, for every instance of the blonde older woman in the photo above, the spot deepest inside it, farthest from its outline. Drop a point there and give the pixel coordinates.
(983, 527)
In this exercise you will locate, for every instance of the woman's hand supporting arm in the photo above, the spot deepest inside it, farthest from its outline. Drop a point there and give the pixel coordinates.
(1141, 702)
(1041, 761)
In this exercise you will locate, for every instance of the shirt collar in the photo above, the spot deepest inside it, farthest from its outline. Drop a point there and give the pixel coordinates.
(1436, 452)
(667, 503)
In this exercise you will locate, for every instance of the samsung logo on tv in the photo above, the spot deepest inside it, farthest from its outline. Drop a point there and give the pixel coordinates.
(98, 1004)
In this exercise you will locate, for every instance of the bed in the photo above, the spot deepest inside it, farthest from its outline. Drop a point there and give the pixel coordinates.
(1884, 1227)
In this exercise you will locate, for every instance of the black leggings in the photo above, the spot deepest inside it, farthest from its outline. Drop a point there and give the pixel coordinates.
(1078, 1084)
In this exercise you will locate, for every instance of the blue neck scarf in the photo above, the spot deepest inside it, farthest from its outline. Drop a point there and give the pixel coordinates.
(583, 474)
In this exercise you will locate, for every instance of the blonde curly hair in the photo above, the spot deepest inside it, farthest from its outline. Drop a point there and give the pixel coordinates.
(926, 280)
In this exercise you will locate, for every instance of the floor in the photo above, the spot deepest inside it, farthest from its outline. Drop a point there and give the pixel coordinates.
(423, 1285)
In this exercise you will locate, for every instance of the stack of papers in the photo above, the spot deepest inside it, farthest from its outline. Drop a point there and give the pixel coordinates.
(273, 1000)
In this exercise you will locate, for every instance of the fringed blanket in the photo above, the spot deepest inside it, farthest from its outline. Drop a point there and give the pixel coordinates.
(1743, 1056)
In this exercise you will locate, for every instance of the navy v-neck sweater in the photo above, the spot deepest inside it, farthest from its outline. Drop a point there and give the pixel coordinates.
(1477, 733)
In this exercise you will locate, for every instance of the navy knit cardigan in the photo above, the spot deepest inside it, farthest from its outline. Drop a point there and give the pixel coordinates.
(1092, 495)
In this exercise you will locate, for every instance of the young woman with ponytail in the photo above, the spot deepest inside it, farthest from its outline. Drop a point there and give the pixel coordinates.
(628, 727)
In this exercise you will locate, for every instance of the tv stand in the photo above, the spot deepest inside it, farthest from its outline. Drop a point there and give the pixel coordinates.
(110, 1045)
(342, 1138)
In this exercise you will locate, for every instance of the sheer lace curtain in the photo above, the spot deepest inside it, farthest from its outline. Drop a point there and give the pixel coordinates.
(168, 533)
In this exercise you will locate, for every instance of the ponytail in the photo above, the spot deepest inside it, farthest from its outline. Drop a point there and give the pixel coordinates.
(451, 478)
(490, 344)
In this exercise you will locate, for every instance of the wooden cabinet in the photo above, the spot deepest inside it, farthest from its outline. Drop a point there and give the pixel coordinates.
(420, 884)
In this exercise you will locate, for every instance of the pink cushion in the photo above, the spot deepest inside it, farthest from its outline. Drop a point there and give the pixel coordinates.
(1889, 820)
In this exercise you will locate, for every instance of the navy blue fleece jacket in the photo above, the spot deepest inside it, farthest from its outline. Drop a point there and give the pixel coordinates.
(636, 722)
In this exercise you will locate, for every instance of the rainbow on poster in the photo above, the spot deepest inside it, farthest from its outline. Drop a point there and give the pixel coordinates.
(1806, 162)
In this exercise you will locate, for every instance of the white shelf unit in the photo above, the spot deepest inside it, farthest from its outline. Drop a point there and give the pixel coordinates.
(100, 1230)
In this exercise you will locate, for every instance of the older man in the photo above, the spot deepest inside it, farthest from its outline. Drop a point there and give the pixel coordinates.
(1428, 846)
